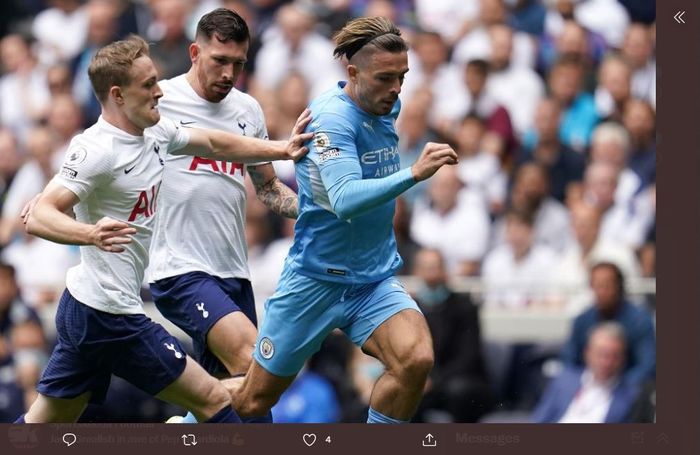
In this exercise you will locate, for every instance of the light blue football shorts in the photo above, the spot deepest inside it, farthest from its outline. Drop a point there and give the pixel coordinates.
(304, 310)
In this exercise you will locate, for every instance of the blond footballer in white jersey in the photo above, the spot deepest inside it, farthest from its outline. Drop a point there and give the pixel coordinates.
(110, 178)
(117, 175)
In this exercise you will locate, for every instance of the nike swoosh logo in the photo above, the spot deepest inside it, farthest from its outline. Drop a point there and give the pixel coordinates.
(126, 171)
(187, 123)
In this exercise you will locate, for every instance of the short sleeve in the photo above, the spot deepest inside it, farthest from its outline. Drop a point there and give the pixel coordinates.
(176, 137)
(85, 167)
(261, 130)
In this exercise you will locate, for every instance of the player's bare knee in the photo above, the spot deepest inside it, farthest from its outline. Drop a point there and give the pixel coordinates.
(415, 367)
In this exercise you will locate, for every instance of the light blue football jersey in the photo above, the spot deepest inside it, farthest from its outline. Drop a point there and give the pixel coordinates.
(349, 144)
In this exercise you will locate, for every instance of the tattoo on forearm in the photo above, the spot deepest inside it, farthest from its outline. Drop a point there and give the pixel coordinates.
(277, 196)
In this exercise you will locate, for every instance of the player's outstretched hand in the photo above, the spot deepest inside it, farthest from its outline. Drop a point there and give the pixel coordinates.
(295, 146)
(433, 157)
(108, 235)
(27, 209)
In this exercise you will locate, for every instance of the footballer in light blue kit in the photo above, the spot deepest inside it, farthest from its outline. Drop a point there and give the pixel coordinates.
(340, 270)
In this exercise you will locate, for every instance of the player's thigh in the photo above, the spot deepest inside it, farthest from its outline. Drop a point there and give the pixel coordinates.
(231, 339)
(402, 342)
(196, 391)
(298, 317)
(47, 409)
(389, 326)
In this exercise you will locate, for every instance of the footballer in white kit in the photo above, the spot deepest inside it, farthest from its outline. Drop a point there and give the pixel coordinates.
(111, 177)
(199, 258)
(199, 261)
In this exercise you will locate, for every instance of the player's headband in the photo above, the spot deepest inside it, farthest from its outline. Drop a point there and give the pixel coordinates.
(362, 43)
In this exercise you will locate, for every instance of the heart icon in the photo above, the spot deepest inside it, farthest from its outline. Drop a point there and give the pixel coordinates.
(309, 439)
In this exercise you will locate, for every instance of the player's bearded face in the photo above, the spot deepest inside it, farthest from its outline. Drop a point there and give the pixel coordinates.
(379, 79)
(142, 94)
(218, 66)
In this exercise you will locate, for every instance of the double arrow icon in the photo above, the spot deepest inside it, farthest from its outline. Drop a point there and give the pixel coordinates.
(679, 17)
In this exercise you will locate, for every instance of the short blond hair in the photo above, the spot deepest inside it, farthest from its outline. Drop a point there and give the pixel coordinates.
(111, 64)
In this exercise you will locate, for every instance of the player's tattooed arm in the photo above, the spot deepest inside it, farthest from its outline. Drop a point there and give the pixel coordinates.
(277, 196)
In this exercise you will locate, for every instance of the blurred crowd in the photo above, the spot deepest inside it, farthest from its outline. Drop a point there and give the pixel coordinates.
(551, 107)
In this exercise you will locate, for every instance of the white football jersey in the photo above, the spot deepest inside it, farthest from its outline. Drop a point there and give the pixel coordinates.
(118, 175)
(202, 205)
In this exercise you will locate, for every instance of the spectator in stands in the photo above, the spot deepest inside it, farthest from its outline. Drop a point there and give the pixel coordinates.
(573, 41)
(453, 220)
(405, 245)
(23, 88)
(431, 69)
(414, 132)
(293, 45)
(517, 88)
(478, 169)
(610, 304)
(639, 118)
(611, 144)
(291, 96)
(530, 194)
(622, 222)
(517, 273)
(614, 88)
(501, 140)
(542, 146)
(10, 162)
(41, 265)
(170, 50)
(605, 17)
(451, 18)
(101, 30)
(22, 342)
(65, 120)
(572, 273)
(31, 179)
(579, 115)
(60, 31)
(596, 392)
(478, 44)
(458, 389)
(638, 50)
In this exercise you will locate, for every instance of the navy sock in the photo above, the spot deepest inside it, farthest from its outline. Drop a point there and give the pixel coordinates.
(226, 415)
(267, 418)
(20, 419)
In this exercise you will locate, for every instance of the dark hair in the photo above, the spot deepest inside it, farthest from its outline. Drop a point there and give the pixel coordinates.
(480, 65)
(225, 25)
(619, 277)
(379, 32)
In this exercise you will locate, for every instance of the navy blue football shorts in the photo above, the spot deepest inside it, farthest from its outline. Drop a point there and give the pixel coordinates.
(195, 301)
(92, 345)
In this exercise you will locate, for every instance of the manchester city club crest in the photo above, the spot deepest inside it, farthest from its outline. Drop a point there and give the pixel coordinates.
(267, 349)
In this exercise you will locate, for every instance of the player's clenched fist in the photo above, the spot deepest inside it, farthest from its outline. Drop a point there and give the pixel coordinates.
(433, 157)
(108, 235)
